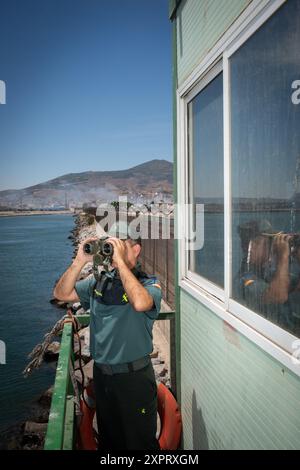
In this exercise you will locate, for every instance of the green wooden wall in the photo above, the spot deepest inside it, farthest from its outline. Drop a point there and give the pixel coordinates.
(233, 394)
(200, 23)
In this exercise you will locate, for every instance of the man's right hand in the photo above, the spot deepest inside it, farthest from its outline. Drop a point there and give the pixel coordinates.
(65, 288)
(82, 257)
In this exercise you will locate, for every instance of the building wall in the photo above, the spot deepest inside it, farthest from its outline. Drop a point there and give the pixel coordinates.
(200, 24)
(233, 395)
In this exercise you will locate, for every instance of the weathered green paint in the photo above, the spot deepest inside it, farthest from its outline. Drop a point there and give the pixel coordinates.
(165, 316)
(56, 424)
(68, 441)
(234, 395)
(200, 24)
(84, 320)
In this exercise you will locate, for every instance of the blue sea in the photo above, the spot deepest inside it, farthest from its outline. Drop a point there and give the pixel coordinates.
(34, 252)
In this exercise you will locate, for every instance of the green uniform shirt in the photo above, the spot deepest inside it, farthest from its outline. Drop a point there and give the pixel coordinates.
(118, 333)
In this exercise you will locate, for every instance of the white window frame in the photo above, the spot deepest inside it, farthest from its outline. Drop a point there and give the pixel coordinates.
(270, 337)
(195, 277)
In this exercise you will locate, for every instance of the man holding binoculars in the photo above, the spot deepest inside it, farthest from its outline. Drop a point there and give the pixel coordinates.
(124, 303)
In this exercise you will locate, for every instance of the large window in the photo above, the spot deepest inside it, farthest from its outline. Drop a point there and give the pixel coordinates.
(206, 189)
(265, 153)
(241, 163)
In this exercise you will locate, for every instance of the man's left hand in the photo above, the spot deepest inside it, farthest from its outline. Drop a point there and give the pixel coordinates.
(119, 254)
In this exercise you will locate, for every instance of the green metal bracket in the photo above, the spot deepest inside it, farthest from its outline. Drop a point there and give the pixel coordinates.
(166, 315)
(84, 320)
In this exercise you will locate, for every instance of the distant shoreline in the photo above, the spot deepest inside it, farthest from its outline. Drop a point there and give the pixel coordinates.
(18, 213)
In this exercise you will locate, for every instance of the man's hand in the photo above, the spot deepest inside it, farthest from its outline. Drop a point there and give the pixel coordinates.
(281, 246)
(82, 257)
(65, 288)
(119, 254)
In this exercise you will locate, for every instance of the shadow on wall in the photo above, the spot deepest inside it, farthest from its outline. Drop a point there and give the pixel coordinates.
(200, 441)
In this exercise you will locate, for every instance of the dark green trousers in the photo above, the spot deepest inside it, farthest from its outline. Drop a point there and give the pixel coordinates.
(126, 407)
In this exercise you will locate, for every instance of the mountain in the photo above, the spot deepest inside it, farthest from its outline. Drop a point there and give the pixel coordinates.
(147, 179)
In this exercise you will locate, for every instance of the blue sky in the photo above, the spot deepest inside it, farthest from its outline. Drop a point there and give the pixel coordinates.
(89, 87)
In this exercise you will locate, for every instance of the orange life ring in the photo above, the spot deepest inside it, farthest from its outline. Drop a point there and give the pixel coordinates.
(170, 419)
(168, 410)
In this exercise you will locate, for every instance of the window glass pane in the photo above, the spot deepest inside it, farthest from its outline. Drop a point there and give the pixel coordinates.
(205, 118)
(265, 149)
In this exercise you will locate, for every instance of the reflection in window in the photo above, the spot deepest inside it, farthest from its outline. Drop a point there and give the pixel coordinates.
(205, 120)
(265, 146)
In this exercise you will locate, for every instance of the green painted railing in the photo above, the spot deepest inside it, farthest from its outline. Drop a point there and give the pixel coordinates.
(61, 425)
(60, 431)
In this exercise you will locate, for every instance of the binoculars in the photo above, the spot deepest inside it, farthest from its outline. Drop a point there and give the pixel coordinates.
(99, 247)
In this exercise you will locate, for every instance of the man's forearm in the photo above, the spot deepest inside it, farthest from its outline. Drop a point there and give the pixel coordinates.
(137, 295)
(66, 283)
(278, 289)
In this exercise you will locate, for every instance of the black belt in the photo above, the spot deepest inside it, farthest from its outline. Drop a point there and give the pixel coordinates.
(109, 369)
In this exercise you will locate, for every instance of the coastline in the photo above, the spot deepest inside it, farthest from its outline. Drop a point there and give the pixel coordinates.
(27, 213)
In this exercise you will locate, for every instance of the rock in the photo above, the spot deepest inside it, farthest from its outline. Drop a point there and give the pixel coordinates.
(34, 431)
(85, 352)
(80, 311)
(52, 352)
(157, 361)
(160, 370)
(165, 380)
(46, 397)
(85, 334)
(88, 373)
(35, 428)
(11, 438)
(154, 354)
(76, 306)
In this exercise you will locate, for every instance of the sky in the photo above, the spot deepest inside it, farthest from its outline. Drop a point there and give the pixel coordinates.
(88, 87)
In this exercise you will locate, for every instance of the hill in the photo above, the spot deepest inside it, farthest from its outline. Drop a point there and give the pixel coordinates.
(147, 179)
